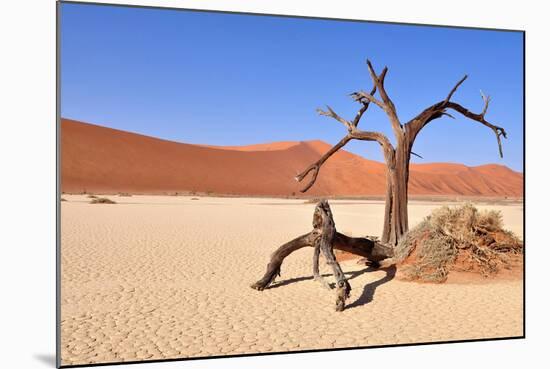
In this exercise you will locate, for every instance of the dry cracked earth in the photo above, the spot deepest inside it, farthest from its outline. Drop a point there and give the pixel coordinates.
(156, 277)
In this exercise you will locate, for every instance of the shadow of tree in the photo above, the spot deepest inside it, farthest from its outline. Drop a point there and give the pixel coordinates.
(349, 275)
(370, 289)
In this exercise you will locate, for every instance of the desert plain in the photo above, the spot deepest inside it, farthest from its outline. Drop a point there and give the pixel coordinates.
(157, 277)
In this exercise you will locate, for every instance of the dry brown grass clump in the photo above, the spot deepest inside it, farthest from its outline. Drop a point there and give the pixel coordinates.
(458, 238)
(102, 200)
(313, 200)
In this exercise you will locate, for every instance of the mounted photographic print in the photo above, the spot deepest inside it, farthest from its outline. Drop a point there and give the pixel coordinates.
(239, 184)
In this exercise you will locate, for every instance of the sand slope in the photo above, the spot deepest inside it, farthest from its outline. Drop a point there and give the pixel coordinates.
(99, 159)
(157, 277)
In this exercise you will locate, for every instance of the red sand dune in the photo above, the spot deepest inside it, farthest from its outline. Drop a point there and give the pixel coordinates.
(105, 160)
(271, 146)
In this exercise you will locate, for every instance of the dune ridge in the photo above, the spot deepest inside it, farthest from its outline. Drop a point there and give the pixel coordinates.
(105, 160)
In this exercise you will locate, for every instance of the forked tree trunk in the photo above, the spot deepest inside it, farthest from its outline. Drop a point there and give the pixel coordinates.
(397, 160)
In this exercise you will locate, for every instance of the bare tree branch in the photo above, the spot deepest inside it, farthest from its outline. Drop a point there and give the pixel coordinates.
(407, 132)
(355, 134)
(397, 159)
(433, 112)
(363, 109)
(486, 100)
(332, 114)
(448, 115)
(360, 113)
(389, 107)
(362, 95)
(366, 103)
(351, 125)
(455, 88)
(373, 136)
(439, 109)
(317, 165)
(499, 131)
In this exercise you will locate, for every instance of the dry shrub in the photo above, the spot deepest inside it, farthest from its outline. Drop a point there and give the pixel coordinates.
(124, 194)
(92, 196)
(313, 200)
(458, 238)
(195, 198)
(102, 200)
(63, 199)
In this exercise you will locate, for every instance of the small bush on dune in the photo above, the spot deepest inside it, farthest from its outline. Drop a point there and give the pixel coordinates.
(92, 196)
(102, 200)
(459, 238)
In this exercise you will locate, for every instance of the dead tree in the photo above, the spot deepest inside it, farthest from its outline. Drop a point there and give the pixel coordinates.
(324, 227)
(324, 238)
(397, 158)
(397, 177)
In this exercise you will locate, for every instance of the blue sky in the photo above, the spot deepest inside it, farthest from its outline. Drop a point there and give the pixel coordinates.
(230, 79)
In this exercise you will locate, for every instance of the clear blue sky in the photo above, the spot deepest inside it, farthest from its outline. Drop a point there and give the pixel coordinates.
(229, 79)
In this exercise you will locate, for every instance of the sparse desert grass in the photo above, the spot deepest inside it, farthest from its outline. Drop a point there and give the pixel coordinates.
(124, 194)
(102, 200)
(459, 238)
(92, 196)
(313, 200)
(195, 198)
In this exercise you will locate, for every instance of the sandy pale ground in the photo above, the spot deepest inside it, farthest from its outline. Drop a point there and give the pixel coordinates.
(156, 277)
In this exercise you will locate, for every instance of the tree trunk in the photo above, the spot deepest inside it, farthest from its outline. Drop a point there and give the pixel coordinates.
(397, 159)
(396, 222)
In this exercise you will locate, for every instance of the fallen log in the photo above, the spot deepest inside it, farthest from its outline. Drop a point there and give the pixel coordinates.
(324, 238)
